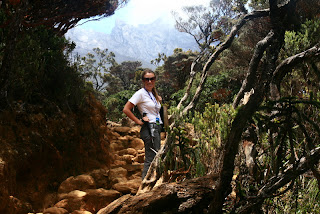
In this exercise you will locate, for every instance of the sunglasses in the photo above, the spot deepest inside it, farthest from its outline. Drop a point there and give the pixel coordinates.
(149, 79)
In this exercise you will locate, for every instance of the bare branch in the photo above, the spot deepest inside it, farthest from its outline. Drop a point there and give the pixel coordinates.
(225, 45)
(276, 182)
(250, 80)
(192, 75)
(289, 63)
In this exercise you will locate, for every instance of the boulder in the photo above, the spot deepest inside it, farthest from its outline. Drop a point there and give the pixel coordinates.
(81, 212)
(55, 210)
(136, 175)
(119, 163)
(127, 158)
(62, 203)
(122, 130)
(110, 124)
(81, 182)
(141, 151)
(125, 140)
(135, 131)
(113, 135)
(116, 146)
(128, 151)
(131, 186)
(135, 167)
(139, 158)
(100, 177)
(72, 201)
(118, 173)
(136, 143)
(72, 194)
(99, 198)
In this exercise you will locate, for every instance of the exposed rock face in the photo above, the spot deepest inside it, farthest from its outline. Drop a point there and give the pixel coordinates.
(41, 145)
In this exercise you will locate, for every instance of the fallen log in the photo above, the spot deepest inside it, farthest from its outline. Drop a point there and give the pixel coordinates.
(190, 196)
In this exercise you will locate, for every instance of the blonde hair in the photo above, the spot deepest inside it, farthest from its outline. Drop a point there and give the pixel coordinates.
(154, 90)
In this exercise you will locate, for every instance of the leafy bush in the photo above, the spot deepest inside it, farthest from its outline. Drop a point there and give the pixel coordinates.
(217, 89)
(211, 129)
(115, 103)
(304, 197)
(41, 70)
(195, 146)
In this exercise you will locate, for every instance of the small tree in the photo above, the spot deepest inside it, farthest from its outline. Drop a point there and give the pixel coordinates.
(96, 66)
(125, 74)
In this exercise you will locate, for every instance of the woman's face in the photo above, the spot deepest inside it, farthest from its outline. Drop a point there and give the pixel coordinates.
(149, 81)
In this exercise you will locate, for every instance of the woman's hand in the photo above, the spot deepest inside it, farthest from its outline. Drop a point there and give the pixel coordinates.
(140, 123)
(146, 119)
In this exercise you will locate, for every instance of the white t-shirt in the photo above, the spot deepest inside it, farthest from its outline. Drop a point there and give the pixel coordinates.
(147, 103)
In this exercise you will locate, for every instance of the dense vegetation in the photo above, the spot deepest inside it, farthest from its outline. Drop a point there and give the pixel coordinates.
(245, 106)
(51, 126)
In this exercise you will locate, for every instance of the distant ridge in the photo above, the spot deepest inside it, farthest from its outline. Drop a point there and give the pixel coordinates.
(130, 43)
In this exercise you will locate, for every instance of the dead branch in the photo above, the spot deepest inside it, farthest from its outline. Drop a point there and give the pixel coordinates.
(275, 183)
(225, 45)
(286, 65)
(191, 196)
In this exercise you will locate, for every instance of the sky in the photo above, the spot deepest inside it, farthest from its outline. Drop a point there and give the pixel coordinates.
(137, 12)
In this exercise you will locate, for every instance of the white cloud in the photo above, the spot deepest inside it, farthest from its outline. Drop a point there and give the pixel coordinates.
(138, 12)
(146, 11)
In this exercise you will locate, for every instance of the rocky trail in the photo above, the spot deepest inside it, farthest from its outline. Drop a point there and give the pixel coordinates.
(90, 192)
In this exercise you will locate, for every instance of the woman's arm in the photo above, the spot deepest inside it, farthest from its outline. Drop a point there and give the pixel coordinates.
(127, 110)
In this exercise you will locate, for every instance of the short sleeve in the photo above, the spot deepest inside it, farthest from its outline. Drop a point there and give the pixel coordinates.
(136, 98)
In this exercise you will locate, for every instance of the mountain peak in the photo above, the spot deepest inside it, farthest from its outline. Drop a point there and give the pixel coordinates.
(135, 43)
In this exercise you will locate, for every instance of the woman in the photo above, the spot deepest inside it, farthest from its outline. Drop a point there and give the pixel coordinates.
(148, 102)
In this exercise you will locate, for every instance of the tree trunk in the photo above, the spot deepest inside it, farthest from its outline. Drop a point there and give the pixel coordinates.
(191, 196)
(260, 83)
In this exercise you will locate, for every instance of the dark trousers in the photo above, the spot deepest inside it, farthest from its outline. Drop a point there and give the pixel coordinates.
(151, 144)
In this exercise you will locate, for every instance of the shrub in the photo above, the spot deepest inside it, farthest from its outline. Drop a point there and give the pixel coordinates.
(115, 103)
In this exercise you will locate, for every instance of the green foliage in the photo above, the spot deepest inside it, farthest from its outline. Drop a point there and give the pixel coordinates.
(304, 79)
(195, 147)
(115, 103)
(219, 88)
(211, 128)
(181, 155)
(41, 70)
(94, 68)
(303, 198)
(297, 124)
(305, 38)
(212, 124)
(174, 73)
(259, 4)
(207, 25)
(183, 159)
(125, 72)
(109, 80)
